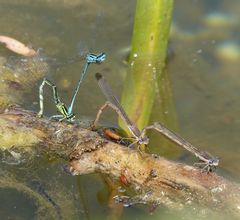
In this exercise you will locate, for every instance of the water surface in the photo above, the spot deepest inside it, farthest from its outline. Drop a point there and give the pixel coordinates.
(205, 84)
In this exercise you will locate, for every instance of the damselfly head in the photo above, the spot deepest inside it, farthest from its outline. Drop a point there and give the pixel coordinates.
(95, 58)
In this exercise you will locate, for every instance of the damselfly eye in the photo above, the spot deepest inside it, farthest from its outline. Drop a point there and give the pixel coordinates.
(101, 57)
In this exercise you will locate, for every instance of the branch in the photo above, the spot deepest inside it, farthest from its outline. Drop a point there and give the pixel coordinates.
(161, 181)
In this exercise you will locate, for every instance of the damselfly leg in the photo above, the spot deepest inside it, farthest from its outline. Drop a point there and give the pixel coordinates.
(100, 111)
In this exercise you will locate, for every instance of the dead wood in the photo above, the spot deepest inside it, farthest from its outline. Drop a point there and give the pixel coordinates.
(161, 181)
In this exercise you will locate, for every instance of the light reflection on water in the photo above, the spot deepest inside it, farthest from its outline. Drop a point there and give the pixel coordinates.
(205, 84)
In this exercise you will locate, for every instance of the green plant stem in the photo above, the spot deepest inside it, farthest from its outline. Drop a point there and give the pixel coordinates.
(147, 58)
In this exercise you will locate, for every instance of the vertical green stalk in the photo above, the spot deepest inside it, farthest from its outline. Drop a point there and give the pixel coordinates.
(147, 58)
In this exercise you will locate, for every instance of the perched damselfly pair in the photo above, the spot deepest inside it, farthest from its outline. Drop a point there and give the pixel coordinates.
(66, 113)
(208, 161)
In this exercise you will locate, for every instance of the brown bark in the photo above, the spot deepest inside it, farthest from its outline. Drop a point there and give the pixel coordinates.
(159, 180)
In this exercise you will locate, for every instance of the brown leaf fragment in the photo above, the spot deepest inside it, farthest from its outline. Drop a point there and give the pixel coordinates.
(17, 47)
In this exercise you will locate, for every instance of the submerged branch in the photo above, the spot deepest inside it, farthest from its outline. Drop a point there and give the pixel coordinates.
(172, 184)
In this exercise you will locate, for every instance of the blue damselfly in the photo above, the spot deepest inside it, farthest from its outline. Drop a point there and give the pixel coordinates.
(67, 112)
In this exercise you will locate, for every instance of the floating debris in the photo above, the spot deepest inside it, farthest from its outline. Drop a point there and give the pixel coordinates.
(17, 47)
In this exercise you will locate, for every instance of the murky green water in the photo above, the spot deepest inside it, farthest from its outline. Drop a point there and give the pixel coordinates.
(204, 70)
